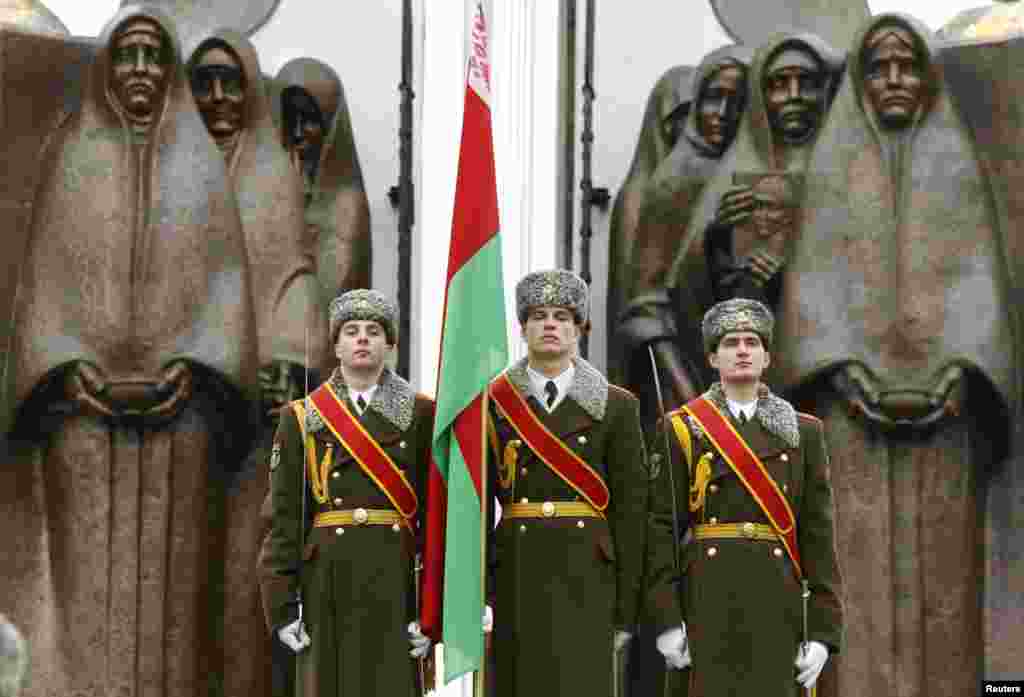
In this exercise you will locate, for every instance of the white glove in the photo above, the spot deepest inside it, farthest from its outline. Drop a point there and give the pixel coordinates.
(294, 636)
(419, 641)
(622, 639)
(488, 619)
(810, 659)
(673, 646)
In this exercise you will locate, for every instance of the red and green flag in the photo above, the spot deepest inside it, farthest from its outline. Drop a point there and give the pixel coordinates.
(474, 350)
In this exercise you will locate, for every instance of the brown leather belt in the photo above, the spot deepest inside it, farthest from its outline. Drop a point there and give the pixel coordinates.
(550, 509)
(356, 516)
(735, 531)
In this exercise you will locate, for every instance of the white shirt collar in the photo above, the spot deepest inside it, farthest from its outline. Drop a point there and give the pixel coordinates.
(747, 408)
(367, 396)
(563, 381)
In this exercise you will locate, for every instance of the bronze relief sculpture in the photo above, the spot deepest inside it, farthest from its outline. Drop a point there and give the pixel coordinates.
(663, 121)
(791, 82)
(895, 325)
(317, 130)
(127, 385)
(669, 198)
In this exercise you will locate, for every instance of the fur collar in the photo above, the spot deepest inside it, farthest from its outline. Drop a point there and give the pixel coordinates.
(394, 399)
(776, 414)
(589, 388)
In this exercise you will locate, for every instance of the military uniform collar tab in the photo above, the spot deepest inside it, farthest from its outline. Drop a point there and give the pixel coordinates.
(394, 398)
(589, 387)
(776, 414)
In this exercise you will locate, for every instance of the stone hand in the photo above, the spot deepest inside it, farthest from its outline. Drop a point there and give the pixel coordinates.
(279, 385)
(673, 646)
(86, 386)
(735, 207)
(763, 266)
(810, 659)
(294, 636)
(176, 383)
(418, 640)
(858, 387)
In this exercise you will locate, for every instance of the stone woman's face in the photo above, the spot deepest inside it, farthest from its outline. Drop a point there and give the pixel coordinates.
(794, 95)
(140, 67)
(892, 76)
(720, 106)
(219, 90)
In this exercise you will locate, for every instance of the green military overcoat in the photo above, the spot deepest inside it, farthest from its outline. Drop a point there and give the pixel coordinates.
(563, 585)
(741, 598)
(357, 581)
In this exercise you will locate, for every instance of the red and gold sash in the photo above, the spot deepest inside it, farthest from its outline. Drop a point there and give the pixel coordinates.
(548, 447)
(751, 472)
(367, 452)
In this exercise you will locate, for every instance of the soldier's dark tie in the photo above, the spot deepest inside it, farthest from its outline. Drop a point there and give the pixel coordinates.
(361, 403)
(743, 417)
(552, 389)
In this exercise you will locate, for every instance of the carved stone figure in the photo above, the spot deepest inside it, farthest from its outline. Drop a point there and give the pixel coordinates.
(128, 383)
(791, 81)
(317, 130)
(232, 98)
(664, 117)
(668, 200)
(896, 329)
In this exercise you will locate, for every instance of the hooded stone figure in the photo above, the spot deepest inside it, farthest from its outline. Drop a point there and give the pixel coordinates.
(895, 329)
(128, 384)
(316, 128)
(667, 108)
(790, 84)
(670, 194)
(231, 95)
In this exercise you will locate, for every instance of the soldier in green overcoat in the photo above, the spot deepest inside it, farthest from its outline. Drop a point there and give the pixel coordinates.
(348, 471)
(570, 473)
(743, 618)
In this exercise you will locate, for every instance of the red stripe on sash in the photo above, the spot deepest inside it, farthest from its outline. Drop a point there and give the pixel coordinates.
(367, 452)
(751, 472)
(548, 447)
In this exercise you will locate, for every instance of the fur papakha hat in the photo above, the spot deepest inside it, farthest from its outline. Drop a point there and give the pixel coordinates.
(365, 304)
(558, 287)
(736, 315)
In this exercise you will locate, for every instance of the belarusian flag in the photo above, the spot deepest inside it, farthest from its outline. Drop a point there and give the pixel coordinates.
(473, 351)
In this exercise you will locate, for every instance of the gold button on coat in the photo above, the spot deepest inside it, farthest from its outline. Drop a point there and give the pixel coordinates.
(522, 528)
(524, 500)
(580, 524)
(523, 471)
(713, 520)
(713, 488)
(548, 509)
(582, 440)
(335, 474)
(777, 551)
(712, 551)
(396, 527)
(339, 531)
(337, 502)
(748, 529)
(401, 444)
(360, 516)
(784, 457)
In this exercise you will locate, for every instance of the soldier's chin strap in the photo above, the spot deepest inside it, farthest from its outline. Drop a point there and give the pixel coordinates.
(676, 565)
